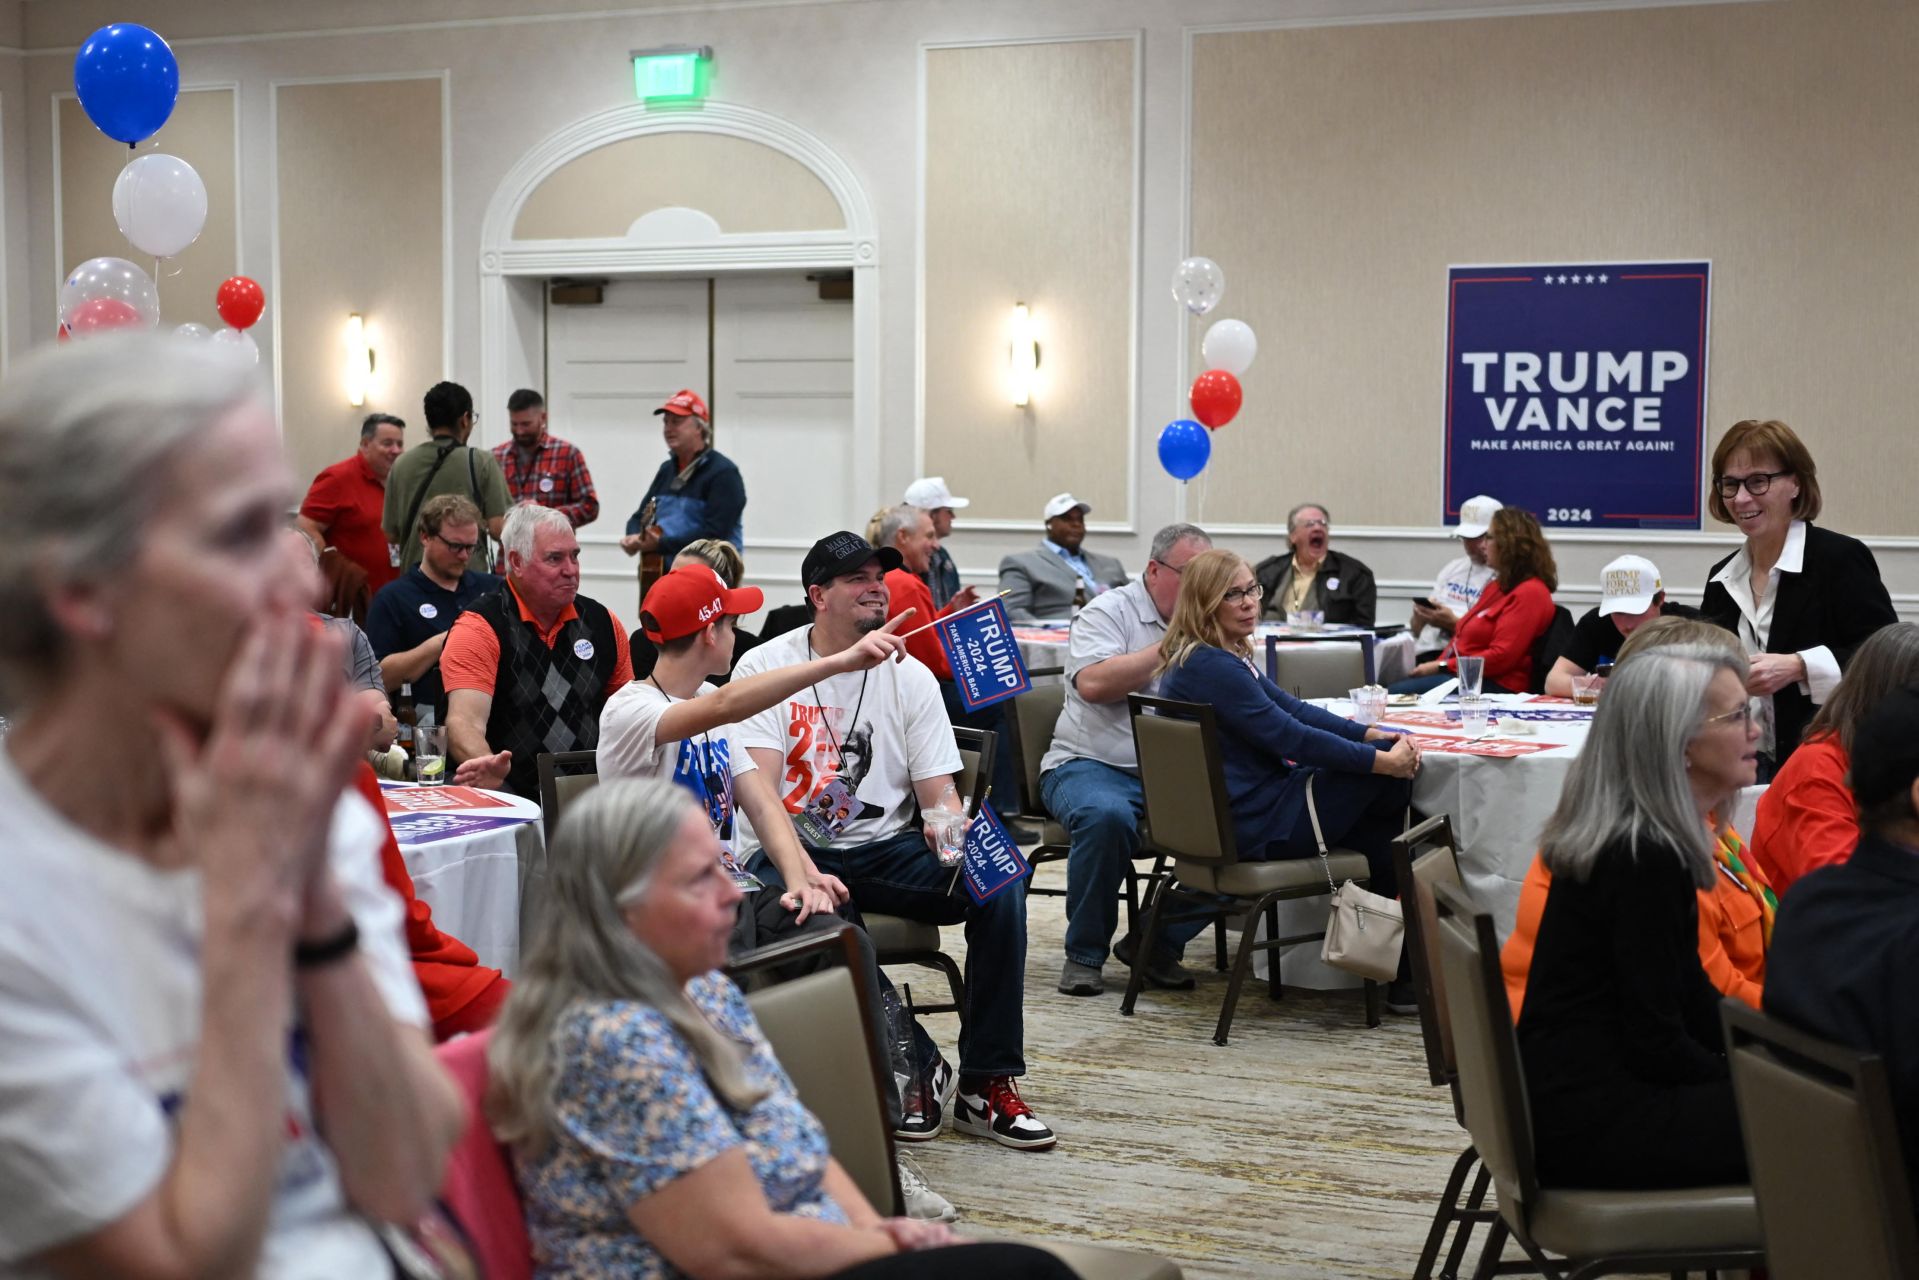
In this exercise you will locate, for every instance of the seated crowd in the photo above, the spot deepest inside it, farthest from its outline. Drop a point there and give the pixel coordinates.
(235, 866)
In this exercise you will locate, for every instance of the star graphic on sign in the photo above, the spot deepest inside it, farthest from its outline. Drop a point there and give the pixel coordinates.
(1549, 277)
(1562, 279)
(1602, 279)
(1589, 279)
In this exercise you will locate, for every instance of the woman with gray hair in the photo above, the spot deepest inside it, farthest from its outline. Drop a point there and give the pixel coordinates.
(1625, 1064)
(213, 1057)
(654, 1131)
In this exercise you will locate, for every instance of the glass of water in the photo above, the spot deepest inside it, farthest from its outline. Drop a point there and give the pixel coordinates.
(429, 755)
(1473, 714)
(1472, 671)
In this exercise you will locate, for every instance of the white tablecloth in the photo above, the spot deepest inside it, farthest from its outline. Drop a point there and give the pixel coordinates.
(472, 881)
(1043, 644)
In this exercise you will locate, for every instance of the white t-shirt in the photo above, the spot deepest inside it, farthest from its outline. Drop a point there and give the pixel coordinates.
(99, 1023)
(881, 730)
(704, 764)
(1457, 588)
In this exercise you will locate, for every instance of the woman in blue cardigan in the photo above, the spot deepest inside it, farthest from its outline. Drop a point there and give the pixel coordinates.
(1271, 742)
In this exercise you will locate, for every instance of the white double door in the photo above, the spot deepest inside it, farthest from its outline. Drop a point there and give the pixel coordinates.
(774, 363)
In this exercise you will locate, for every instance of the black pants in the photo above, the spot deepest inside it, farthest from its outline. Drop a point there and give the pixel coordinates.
(964, 1262)
(1650, 1139)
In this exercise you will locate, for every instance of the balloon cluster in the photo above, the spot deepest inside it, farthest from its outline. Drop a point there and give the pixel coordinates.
(128, 81)
(1185, 446)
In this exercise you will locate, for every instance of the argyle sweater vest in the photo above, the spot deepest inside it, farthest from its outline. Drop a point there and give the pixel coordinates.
(546, 699)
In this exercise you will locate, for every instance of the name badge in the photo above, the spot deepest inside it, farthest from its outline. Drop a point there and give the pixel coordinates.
(827, 814)
(583, 648)
(429, 610)
(393, 554)
(546, 484)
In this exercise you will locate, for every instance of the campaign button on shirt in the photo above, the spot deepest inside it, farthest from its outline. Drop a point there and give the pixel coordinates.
(428, 609)
(546, 484)
(583, 649)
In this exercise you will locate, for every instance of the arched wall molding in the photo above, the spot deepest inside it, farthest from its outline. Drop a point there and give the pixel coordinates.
(511, 321)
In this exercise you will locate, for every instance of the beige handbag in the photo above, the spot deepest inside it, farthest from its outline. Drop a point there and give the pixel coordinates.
(1365, 931)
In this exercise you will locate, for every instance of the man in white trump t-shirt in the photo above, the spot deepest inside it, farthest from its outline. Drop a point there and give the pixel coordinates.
(1458, 586)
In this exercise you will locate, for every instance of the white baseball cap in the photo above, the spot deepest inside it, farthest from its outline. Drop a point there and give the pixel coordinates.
(931, 494)
(1475, 514)
(1628, 585)
(1060, 503)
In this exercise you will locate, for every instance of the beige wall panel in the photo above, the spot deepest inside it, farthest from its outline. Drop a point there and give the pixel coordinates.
(1030, 198)
(1337, 172)
(744, 186)
(360, 180)
(200, 132)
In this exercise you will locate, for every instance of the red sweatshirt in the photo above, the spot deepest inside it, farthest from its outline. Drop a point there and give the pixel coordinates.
(905, 591)
(1502, 628)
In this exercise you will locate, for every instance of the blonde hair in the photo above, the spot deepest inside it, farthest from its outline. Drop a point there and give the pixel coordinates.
(1203, 585)
(717, 554)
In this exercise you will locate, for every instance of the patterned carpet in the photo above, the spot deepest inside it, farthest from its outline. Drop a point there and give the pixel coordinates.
(1309, 1147)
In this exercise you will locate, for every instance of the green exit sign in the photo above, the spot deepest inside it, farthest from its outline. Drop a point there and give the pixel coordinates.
(680, 73)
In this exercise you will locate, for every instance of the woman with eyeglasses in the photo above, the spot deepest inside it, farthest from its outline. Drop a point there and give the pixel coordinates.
(1625, 1063)
(1512, 613)
(1273, 743)
(1802, 598)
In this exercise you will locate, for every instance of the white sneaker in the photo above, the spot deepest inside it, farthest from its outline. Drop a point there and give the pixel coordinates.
(922, 1201)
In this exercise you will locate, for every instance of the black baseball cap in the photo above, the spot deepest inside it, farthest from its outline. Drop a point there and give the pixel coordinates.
(1885, 749)
(838, 554)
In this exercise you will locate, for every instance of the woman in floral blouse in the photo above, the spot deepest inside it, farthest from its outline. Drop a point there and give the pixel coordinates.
(655, 1133)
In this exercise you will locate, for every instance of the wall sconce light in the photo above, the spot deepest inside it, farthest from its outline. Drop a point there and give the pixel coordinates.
(359, 361)
(1022, 356)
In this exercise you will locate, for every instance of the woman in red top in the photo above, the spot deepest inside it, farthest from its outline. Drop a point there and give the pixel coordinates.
(1511, 614)
(1807, 818)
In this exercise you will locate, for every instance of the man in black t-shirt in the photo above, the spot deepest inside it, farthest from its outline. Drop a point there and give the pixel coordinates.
(1630, 594)
(409, 618)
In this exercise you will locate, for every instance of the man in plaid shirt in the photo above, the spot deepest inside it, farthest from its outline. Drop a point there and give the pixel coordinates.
(542, 468)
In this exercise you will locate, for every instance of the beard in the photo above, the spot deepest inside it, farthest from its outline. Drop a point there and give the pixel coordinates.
(867, 623)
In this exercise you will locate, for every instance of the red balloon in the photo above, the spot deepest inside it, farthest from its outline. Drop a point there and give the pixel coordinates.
(1216, 397)
(240, 302)
(102, 314)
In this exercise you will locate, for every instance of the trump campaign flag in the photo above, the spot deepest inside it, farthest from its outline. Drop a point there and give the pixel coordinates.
(991, 860)
(984, 655)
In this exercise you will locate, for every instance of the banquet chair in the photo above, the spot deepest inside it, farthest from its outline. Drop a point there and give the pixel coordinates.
(564, 777)
(1594, 1233)
(1029, 735)
(1318, 670)
(1823, 1141)
(1190, 821)
(1552, 642)
(897, 940)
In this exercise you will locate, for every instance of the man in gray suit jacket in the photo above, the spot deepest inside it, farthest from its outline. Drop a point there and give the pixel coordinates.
(1050, 580)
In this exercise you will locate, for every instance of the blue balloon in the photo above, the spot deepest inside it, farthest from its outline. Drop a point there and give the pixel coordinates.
(128, 81)
(1184, 448)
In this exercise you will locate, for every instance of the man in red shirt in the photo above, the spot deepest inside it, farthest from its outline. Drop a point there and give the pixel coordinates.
(342, 508)
(543, 468)
(527, 668)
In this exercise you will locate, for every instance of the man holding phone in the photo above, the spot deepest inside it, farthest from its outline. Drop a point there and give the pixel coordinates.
(1459, 583)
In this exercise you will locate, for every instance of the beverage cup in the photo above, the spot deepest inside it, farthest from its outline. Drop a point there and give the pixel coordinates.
(1472, 671)
(429, 755)
(949, 833)
(1472, 715)
(1369, 704)
(1586, 690)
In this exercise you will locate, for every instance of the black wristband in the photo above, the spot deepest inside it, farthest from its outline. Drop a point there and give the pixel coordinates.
(312, 955)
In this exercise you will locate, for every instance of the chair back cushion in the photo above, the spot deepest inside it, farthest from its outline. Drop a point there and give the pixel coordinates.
(1822, 1141)
(564, 777)
(1553, 641)
(1492, 1088)
(479, 1190)
(814, 1025)
(1035, 716)
(1318, 670)
(1184, 799)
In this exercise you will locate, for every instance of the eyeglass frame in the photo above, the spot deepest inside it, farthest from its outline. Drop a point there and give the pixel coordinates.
(1175, 571)
(1728, 487)
(457, 548)
(1747, 711)
(1256, 592)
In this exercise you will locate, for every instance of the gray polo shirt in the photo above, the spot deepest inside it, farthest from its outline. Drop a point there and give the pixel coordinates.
(1123, 620)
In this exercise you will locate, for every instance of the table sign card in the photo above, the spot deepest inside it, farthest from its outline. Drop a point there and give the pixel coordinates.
(1494, 748)
(439, 799)
(991, 860)
(984, 654)
(426, 828)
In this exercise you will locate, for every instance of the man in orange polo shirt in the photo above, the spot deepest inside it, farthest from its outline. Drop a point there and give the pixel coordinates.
(528, 667)
(342, 507)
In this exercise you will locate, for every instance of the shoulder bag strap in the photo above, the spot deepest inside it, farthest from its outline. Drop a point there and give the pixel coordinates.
(419, 496)
(1319, 836)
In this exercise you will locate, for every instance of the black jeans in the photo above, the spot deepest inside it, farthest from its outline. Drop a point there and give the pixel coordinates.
(964, 1262)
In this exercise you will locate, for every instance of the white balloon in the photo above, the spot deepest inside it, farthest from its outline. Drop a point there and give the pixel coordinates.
(240, 343)
(197, 332)
(1197, 285)
(110, 278)
(1229, 345)
(160, 204)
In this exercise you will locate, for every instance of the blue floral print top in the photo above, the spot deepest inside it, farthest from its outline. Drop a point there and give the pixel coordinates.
(635, 1112)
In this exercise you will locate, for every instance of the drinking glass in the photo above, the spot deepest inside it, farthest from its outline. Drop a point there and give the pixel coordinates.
(1471, 672)
(1586, 690)
(1472, 715)
(429, 755)
(1369, 703)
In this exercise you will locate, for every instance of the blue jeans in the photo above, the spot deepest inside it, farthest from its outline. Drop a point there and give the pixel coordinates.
(899, 876)
(1101, 807)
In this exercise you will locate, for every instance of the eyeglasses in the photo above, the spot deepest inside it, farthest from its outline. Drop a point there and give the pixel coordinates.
(1235, 594)
(1311, 522)
(1175, 570)
(1743, 714)
(457, 548)
(1756, 483)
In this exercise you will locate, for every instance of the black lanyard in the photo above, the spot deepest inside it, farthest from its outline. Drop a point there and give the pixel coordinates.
(838, 750)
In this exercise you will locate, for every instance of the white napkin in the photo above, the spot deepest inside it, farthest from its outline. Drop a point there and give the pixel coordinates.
(1437, 694)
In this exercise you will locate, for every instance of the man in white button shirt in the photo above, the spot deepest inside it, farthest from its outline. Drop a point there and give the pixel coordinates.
(1458, 586)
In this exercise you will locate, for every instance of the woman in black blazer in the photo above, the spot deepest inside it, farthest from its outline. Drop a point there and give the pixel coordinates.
(1800, 597)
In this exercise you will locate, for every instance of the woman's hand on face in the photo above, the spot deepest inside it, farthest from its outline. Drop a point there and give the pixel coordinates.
(253, 801)
(1772, 672)
(910, 1235)
(1402, 761)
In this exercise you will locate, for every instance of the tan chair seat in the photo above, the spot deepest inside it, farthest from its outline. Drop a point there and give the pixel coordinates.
(892, 934)
(1252, 879)
(1585, 1224)
(1051, 832)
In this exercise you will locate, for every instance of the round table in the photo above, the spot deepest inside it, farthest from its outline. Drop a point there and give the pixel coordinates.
(1043, 644)
(462, 846)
